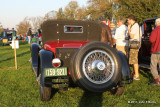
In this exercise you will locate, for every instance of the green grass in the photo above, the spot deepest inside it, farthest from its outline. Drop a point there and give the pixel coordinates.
(18, 88)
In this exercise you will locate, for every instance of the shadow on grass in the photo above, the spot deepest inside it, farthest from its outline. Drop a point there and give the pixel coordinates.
(53, 92)
(5, 48)
(23, 42)
(19, 55)
(27, 52)
(91, 100)
(146, 73)
(20, 43)
(7, 44)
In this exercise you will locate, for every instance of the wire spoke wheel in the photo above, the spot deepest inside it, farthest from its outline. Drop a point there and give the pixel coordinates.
(98, 66)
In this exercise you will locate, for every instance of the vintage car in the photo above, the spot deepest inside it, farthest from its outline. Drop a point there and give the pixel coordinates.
(147, 27)
(72, 53)
(7, 39)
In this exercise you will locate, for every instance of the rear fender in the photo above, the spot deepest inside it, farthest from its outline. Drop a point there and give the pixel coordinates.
(46, 62)
(35, 57)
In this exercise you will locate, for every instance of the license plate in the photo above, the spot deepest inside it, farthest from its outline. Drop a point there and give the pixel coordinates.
(5, 40)
(49, 72)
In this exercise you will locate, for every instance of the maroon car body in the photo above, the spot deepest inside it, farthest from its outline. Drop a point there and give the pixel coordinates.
(147, 27)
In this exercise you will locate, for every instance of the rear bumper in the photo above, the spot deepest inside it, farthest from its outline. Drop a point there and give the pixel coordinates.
(57, 82)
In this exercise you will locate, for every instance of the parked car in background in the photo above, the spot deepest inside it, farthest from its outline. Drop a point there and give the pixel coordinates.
(72, 51)
(9, 35)
(8, 39)
(145, 51)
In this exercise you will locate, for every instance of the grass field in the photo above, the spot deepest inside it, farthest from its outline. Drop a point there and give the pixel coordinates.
(18, 88)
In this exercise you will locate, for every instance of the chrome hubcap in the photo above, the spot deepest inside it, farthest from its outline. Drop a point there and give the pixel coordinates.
(101, 66)
(98, 65)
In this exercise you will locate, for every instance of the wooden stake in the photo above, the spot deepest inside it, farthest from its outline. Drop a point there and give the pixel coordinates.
(15, 54)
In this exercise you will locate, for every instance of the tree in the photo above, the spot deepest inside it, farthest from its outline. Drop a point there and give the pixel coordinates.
(1, 27)
(111, 9)
(23, 26)
(100, 8)
(142, 9)
(70, 11)
(81, 13)
(50, 15)
(60, 14)
(36, 22)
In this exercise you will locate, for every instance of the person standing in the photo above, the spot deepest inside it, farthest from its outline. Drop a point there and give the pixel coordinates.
(134, 33)
(13, 34)
(155, 52)
(29, 34)
(40, 35)
(106, 35)
(3, 35)
(120, 35)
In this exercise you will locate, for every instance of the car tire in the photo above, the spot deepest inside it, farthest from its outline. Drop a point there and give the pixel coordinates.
(91, 72)
(45, 93)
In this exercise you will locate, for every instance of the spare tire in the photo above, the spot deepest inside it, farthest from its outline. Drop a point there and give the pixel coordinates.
(96, 67)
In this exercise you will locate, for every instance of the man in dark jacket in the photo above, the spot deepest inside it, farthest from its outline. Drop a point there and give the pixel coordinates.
(106, 35)
(4, 34)
(155, 52)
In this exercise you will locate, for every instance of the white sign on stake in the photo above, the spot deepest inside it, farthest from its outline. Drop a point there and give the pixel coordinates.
(16, 43)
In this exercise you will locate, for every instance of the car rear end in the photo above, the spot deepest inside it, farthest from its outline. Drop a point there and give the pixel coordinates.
(58, 75)
(73, 49)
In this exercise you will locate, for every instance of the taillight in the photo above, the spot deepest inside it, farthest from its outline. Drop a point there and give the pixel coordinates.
(56, 62)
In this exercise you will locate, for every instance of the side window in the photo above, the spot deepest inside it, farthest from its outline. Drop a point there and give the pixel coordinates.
(73, 29)
(150, 27)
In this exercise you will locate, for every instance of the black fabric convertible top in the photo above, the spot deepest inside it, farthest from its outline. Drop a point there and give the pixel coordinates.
(52, 30)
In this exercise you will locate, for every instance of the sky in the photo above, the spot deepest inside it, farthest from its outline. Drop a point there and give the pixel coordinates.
(14, 11)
